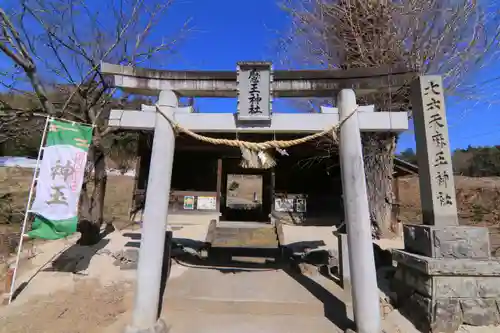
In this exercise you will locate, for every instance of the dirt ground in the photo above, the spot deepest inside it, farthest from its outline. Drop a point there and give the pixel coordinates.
(68, 288)
(478, 201)
(244, 191)
(66, 308)
(244, 187)
(16, 183)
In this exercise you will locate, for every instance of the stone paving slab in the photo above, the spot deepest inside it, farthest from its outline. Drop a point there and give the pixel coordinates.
(255, 285)
(243, 307)
(262, 300)
(189, 322)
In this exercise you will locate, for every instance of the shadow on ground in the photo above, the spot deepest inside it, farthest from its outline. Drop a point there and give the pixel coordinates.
(300, 261)
(238, 260)
(74, 259)
(77, 258)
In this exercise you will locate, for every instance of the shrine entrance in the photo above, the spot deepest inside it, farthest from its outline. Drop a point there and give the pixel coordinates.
(247, 194)
(255, 84)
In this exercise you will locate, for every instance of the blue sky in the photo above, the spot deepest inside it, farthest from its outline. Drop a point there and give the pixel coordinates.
(227, 31)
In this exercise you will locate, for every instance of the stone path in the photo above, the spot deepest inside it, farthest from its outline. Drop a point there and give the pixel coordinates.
(258, 300)
(197, 299)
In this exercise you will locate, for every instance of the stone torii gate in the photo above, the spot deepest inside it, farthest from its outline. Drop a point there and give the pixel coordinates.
(171, 85)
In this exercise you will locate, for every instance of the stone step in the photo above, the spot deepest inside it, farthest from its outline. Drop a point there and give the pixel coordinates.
(182, 322)
(243, 236)
(248, 307)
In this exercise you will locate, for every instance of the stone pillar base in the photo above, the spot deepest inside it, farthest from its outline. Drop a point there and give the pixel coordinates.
(159, 327)
(453, 242)
(452, 281)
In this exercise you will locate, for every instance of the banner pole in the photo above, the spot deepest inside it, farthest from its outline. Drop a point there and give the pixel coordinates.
(28, 206)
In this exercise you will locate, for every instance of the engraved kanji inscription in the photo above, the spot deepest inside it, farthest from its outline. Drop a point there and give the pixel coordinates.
(444, 199)
(436, 121)
(442, 178)
(254, 99)
(440, 159)
(433, 88)
(439, 140)
(433, 104)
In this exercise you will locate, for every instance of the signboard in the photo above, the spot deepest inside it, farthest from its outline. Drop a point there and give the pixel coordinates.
(207, 203)
(254, 91)
(283, 204)
(189, 202)
(300, 205)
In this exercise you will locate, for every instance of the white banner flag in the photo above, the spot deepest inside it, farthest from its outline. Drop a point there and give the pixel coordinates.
(60, 180)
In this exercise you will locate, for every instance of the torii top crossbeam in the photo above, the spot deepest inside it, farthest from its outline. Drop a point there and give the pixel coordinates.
(295, 83)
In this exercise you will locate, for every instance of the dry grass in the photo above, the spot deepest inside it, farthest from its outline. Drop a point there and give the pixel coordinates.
(478, 200)
(478, 203)
(16, 183)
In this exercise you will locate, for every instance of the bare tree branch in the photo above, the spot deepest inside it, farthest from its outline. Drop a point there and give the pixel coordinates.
(12, 45)
(453, 38)
(66, 42)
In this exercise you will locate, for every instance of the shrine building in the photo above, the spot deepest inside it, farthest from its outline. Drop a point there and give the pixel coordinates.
(304, 188)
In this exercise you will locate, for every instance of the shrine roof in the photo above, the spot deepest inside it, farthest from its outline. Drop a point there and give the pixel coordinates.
(404, 168)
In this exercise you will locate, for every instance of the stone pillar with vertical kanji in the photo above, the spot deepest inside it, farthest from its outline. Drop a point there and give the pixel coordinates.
(445, 275)
(437, 187)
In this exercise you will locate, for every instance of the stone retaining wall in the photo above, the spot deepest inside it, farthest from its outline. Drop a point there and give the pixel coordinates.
(445, 277)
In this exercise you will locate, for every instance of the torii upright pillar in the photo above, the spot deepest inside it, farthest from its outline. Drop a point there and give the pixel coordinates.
(149, 270)
(365, 294)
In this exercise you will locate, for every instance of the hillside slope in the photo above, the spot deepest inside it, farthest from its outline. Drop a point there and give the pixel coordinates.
(478, 203)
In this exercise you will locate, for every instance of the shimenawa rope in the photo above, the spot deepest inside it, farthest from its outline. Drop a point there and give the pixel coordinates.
(258, 148)
(333, 130)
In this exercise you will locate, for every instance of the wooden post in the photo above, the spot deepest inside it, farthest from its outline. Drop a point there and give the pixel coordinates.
(219, 183)
(141, 175)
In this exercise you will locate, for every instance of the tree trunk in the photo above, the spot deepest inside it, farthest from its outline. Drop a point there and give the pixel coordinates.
(99, 192)
(92, 208)
(378, 150)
